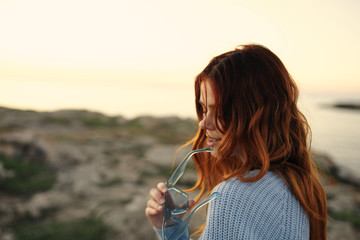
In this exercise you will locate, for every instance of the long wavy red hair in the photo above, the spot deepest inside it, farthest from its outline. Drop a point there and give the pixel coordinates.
(256, 107)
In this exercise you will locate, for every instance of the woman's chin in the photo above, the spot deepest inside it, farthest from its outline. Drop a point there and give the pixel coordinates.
(214, 145)
(215, 152)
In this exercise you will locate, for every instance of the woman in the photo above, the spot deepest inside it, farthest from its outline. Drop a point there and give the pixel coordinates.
(246, 104)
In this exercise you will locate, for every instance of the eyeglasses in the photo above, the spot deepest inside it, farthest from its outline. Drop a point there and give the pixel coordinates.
(177, 202)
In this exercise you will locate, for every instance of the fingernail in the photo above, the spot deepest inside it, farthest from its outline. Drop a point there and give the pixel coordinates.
(162, 201)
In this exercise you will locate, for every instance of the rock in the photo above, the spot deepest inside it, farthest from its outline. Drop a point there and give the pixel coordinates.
(162, 154)
(352, 106)
(22, 145)
(43, 201)
(340, 230)
(341, 199)
(328, 167)
(346, 175)
(324, 163)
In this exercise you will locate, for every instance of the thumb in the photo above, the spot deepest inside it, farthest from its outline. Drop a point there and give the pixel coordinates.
(191, 203)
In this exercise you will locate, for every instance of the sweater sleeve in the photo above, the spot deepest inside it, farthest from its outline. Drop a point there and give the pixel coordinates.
(170, 230)
(265, 209)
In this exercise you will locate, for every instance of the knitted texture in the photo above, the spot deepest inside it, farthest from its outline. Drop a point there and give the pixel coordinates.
(265, 209)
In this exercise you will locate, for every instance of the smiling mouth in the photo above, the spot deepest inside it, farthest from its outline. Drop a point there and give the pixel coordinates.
(213, 139)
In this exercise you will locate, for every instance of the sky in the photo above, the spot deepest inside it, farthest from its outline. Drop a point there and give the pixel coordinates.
(140, 57)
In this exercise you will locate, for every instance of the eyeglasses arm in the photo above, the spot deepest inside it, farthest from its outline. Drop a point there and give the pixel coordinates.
(181, 168)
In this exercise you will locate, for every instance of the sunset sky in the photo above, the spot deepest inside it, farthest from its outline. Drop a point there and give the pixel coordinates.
(141, 56)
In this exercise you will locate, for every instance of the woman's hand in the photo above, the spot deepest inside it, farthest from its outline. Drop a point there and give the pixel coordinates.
(154, 209)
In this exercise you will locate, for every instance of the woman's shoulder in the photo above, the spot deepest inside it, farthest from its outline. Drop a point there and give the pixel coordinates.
(268, 185)
(270, 195)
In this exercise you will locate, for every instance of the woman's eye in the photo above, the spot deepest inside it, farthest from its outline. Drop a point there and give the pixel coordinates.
(205, 110)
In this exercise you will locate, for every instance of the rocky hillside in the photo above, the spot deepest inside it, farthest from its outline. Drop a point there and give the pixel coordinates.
(83, 175)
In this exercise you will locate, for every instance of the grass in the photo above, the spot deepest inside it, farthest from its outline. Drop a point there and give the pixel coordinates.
(29, 178)
(85, 118)
(97, 121)
(112, 182)
(84, 229)
(161, 170)
(167, 131)
(350, 217)
(56, 120)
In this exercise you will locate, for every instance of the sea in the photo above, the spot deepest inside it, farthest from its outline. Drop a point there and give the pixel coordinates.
(335, 131)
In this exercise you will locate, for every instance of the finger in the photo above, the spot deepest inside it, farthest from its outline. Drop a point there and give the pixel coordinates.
(153, 204)
(151, 211)
(157, 195)
(162, 187)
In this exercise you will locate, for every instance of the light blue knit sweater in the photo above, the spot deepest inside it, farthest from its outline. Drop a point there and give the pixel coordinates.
(265, 209)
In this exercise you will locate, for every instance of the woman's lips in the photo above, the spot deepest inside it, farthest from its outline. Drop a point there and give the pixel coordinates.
(211, 142)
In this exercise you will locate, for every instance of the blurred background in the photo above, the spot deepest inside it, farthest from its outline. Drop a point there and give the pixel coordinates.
(141, 57)
(126, 59)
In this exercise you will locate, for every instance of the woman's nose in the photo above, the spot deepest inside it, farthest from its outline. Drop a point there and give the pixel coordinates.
(206, 123)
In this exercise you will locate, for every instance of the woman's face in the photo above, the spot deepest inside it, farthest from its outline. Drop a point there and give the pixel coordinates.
(208, 122)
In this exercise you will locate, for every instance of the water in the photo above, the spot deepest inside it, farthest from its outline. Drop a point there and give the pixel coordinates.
(335, 132)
